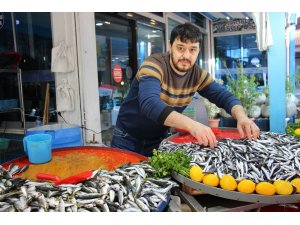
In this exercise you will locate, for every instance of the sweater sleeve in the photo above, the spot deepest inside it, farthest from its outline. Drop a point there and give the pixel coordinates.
(149, 98)
(220, 96)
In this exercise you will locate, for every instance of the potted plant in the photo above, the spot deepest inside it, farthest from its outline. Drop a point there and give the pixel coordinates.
(291, 99)
(244, 88)
(212, 112)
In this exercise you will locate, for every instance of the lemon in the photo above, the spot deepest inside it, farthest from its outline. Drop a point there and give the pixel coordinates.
(283, 187)
(265, 188)
(211, 180)
(297, 131)
(246, 186)
(296, 183)
(196, 173)
(227, 182)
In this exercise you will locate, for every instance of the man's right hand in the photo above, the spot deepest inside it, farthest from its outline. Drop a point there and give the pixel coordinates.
(204, 135)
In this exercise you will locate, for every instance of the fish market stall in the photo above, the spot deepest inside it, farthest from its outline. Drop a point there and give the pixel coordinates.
(114, 180)
(272, 158)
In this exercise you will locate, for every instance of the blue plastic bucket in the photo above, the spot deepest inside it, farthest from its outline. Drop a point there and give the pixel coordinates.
(63, 135)
(38, 148)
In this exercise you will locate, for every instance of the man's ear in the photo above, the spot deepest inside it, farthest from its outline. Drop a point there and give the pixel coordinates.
(169, 47)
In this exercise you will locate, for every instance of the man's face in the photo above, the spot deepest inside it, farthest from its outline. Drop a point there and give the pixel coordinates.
(184, 54)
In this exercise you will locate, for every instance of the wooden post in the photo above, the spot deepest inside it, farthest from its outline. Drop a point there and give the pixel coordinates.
(46, 105)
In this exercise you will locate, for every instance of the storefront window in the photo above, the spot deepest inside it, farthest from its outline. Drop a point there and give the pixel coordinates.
(6, 34)
(240, 50)
(184, 15)
(150, 40)
(171, 25)
(34, 42)
(198, 19)
(115, 56)
(30, 36)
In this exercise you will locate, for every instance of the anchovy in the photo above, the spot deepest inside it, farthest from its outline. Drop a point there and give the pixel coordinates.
(271, 157)
(129, 186)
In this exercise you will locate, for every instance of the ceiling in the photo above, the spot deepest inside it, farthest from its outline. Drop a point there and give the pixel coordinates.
(226, 15)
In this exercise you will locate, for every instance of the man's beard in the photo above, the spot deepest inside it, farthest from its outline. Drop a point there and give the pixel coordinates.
(177, 67)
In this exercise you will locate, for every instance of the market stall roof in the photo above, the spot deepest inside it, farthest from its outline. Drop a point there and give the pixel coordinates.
(226, 15)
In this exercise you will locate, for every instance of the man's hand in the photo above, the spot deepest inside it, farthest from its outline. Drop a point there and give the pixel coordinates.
(202, 133)
(244, 123)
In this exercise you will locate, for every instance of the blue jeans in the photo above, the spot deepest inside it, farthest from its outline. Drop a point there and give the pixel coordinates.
(123, 140)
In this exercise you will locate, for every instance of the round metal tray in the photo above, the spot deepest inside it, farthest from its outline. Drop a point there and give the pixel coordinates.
(235, 195)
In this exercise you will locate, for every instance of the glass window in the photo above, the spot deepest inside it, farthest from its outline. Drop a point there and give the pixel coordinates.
(160, 14)
(198, 19)
(6, 34)
(115, 56)
(33, 38)
(201, 57)
(34, 42)
(150, 40)
(171, 25)
(232, 50)
(185, 15)
(114, 47)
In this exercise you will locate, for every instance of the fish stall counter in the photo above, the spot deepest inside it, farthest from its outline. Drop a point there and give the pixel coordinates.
(83, 178)
(201, 197)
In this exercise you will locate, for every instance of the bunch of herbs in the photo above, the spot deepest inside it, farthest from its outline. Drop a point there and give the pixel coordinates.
(167, 162)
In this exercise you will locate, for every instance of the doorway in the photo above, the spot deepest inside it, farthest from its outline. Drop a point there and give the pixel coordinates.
(116, 63)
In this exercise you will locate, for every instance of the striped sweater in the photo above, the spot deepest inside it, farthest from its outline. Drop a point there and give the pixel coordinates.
(157, 90)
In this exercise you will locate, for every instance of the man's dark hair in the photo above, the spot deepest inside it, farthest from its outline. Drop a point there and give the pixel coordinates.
(186, 32)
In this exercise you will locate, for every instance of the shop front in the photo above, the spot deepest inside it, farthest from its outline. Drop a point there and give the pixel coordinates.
(104, 63)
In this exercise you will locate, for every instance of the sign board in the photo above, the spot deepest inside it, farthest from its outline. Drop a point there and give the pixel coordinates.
(117, 73)
(234, 25)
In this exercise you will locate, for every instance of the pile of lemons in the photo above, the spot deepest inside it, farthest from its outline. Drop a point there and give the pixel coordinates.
(227, 182)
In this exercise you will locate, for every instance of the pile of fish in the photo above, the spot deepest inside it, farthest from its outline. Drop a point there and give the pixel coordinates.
(272, 157)
(129, 188)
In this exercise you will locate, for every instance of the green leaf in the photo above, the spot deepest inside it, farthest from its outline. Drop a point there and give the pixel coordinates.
(166, 162)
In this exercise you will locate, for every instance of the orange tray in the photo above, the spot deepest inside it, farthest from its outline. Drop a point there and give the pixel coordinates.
(68, 161)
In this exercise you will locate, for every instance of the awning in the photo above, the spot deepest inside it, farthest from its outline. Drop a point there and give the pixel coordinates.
(263, 30)
(226, 15)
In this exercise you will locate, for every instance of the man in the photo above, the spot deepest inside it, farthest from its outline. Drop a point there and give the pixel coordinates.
(161, 90)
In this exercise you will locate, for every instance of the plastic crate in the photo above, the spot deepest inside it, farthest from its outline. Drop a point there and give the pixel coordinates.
(63, 135)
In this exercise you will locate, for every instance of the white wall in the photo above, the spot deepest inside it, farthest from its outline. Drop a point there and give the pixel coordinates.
(78, 30)
(87, 66)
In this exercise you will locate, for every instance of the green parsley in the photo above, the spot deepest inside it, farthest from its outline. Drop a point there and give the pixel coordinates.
(165, 163)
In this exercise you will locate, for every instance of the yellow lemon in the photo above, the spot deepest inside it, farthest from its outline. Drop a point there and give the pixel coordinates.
(227, 182)
(211, 180)
(296, 183)
(246, 186)
(265, 188)
(283, 187)
(297, 131)
(196, 173)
